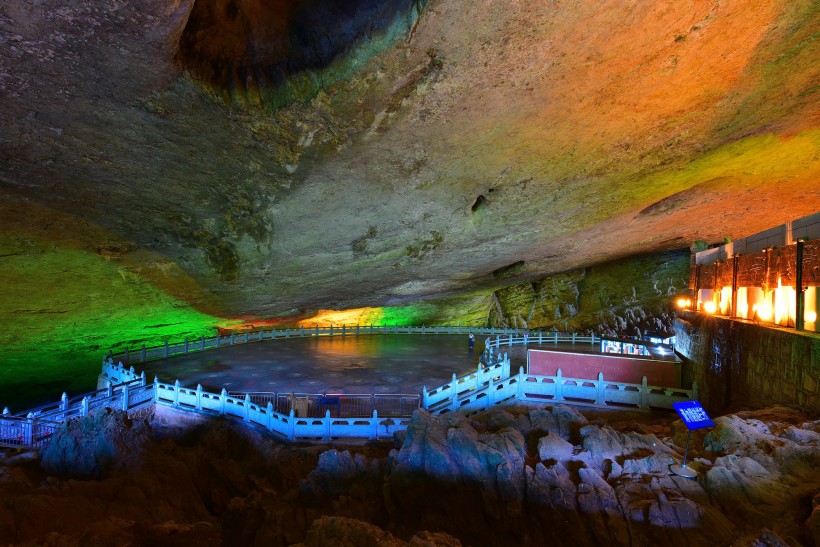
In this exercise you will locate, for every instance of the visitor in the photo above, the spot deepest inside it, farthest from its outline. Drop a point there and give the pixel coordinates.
(526, 338)
(471, 341)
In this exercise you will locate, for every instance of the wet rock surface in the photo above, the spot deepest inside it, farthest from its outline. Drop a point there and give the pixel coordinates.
(516, 476)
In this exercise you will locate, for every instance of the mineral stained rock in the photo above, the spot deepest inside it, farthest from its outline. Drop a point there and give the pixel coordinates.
(488, 480)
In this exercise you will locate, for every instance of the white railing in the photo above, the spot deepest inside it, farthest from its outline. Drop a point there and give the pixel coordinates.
(438, 397)
(169, 349)
(560, 389)
(341, 405)
(294, 418)
(290, 426)
(31, 428)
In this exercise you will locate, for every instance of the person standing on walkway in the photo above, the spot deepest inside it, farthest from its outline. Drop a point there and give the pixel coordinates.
(471, 341)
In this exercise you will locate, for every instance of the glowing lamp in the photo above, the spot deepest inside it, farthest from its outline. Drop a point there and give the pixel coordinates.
(764, 312)
(683, 303)
(810, 316)
(710, 307)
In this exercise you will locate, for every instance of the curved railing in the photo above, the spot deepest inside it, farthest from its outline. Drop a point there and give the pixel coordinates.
(490, 384)
(170, 349)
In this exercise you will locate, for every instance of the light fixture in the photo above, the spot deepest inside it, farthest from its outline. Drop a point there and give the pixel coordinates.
(810, 316)
(710, 307)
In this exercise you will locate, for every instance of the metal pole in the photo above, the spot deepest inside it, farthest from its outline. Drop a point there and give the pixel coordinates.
(686, 450)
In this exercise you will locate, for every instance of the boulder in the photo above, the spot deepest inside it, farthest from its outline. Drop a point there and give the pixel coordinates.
(553, 447)
(89, 446)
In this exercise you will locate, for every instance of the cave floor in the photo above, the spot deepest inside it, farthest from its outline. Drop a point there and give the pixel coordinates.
(352, 364)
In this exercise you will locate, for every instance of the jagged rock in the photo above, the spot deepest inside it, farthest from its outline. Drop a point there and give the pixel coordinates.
(635, 452)
(551, 486)
(554, 447)
(764, 538)
(813, 522)
(90, 445)
(563, 420)
(343, 532)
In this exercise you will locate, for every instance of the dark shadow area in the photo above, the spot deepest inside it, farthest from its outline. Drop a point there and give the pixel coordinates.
(250, 46)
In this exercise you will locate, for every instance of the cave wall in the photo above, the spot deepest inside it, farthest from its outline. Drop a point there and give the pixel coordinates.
(623, 297)
(738, 364)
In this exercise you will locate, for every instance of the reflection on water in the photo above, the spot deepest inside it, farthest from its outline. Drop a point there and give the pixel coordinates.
(338, 364)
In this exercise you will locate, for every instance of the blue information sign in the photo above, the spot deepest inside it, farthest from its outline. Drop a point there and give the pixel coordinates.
(693, 415)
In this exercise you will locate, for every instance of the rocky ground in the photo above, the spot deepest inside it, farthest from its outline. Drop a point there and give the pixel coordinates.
(519, 476)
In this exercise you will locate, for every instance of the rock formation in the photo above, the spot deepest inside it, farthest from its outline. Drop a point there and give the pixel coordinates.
(523, 476)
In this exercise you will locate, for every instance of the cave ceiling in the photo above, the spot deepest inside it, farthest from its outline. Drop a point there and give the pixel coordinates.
(279, 157)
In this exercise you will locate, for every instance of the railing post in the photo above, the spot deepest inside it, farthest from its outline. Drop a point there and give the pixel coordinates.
(63, 401)
(84, 407)
(326, 423)
(109, 389)
(261, 334)
(331, 330)
(233, 339)
(246, 337)
(490, 393)
(357, 329)
(694, 391)
(291, 424)
(520, 394)
(371, 328)
(223, 400)
(156, 389)
(142, 379)
(199, 396)
(202, 344)
(573, 338)
(176, 393)
(555, 337)
(592, 339)
(343, 329)
(317, 330)
(644, 394)
(423, 397)
(126, 354)
(166, 348)
(218, 339)
(374, 425)
(142, 357)
(599, 400)
(29, 435)
(186, 345)
(511, 339)
(478, 379)
(247, 407)
(302, 331)
(125, 397)
(559, 385)
(287, 332)
(454, 394)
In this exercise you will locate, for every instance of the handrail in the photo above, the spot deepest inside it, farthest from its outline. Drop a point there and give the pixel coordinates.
(490, 384)
(170, 349)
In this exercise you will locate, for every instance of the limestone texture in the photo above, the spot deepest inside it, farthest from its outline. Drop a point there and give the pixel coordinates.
(489, 480)
(444, 147)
